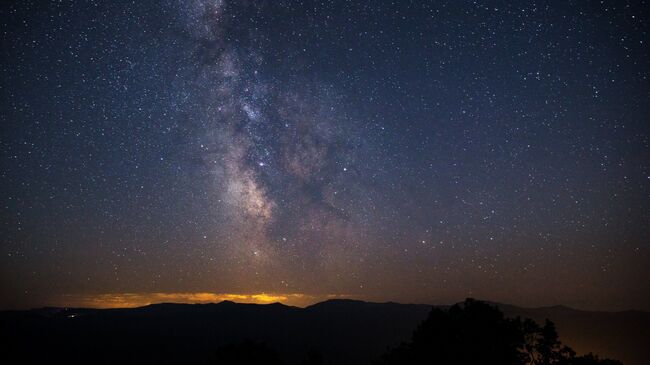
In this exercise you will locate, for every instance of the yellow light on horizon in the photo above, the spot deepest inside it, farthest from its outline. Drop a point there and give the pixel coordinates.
(131, 300)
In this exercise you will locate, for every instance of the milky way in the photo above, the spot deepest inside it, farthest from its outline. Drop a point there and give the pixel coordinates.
(407, 151)
(274, 152)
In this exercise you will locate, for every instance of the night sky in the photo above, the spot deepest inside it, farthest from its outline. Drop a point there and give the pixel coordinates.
(411, 151)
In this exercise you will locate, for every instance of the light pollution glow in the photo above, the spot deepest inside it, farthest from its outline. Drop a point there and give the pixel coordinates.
(131, 300)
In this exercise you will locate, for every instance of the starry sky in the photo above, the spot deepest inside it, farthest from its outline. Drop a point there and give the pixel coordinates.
(412, 151)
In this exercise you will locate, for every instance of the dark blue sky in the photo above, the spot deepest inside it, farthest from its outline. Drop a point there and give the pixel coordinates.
(409, 151)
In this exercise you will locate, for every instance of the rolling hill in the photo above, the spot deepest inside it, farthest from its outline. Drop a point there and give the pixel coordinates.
(342, 331)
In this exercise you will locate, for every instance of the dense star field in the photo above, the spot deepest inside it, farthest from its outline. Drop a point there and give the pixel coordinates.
(413, 151)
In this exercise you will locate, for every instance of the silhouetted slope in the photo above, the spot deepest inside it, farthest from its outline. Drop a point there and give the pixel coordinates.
(342, 331)
(355, 331)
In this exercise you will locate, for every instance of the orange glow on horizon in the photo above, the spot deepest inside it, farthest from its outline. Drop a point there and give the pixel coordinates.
(131, 300)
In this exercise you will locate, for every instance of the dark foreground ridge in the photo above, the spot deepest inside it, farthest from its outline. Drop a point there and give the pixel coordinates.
(331, 332)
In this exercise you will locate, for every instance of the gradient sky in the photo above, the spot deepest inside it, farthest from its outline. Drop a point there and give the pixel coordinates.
(413, 151)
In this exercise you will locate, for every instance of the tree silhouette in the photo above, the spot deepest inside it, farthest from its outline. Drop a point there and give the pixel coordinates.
(542, 345)
(477, 333)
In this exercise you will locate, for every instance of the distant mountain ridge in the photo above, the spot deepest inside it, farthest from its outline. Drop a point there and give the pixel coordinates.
(344, 331)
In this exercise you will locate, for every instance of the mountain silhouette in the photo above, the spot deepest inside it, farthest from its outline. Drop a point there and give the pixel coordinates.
(330, 332)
